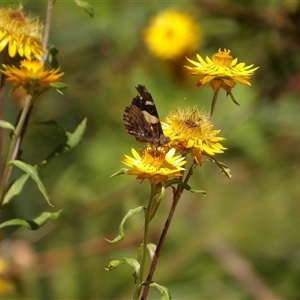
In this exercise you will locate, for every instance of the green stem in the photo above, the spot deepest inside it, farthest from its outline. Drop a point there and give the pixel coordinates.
(214, 101)
(2, 90)
(47, 26)
(14, 145)
(176, 199)
(139, 280)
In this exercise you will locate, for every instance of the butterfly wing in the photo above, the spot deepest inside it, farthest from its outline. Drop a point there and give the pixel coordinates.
(142, 121)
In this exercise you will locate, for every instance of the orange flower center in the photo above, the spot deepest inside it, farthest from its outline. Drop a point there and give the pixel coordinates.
(154, 158)
(222, 58)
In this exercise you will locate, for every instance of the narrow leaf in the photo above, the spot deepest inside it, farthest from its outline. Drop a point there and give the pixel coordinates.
(114, 264)
(59, 85)
(72, 139)
(158, 194)
(33, 173)
(164, 292)
(86, 6)
(151, 249)
(197, 191)
(130, 261)
(224, 168)
(75, 137)
(185, 186)
(120, 172)
(15, 188)
(32, 224)
(130, 213)
(7, 125)
(52, 53)
(133, 263)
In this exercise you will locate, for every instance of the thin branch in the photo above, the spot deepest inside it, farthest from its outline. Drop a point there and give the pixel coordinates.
(214, 101)
(176, 198)
(47, 26)
(14, 145)
(2, 88)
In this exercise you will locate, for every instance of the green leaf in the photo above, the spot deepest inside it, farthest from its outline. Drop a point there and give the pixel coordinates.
(75, 137)
(52, 52)
(224, 168)
(33, 173)
(197, 191)
(185, 186)
(59, 86)
(15, 188)
(151, 249)
(7, 125)
(32, 224)
(164, 292)
(120, 172)
(86, 6)
(72, 139)
(130, 213)
(158, 194)
(130, 261)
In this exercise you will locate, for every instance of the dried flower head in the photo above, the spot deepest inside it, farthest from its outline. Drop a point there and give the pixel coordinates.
(172, 34)
(20, 32)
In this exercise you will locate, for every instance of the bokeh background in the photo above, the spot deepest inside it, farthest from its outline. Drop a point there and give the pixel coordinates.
(242, 240)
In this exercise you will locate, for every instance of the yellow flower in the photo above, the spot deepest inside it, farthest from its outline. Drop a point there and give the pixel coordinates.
(222, 71)
(155, 163)
(172, 34)
(31, 72)
(192, 132)
(5, 284)
(22, 33)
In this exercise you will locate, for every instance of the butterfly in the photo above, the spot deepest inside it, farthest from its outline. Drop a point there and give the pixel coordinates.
(142, 121)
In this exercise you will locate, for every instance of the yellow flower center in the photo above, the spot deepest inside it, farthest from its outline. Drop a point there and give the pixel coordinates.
(222, 58)
(191, 123)
(154, 158)
(33, 66)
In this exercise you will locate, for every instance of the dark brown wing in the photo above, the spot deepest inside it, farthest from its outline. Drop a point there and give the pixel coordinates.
(142, 121)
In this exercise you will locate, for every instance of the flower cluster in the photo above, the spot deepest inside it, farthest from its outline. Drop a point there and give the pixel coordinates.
(188, 132)
(21, 34)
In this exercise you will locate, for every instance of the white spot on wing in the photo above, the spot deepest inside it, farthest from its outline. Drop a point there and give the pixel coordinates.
(149, 118)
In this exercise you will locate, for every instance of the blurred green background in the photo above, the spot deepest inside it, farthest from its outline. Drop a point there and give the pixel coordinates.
(242, 240)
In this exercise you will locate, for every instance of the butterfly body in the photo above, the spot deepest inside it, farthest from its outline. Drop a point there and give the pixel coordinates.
(142, 120)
